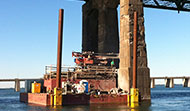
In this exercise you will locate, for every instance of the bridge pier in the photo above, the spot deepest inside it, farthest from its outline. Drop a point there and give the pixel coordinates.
(127, 8)
(169, 83)
(17, 85)
(186, 82)
(152, 83)
(100, 26)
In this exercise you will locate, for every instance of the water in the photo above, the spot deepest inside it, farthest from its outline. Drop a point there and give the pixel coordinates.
(163, 99)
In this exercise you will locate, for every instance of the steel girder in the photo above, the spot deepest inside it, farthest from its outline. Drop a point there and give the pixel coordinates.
(180, 5)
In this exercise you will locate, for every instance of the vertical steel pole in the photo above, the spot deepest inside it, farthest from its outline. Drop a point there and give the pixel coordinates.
(59, 49)
(135, 50)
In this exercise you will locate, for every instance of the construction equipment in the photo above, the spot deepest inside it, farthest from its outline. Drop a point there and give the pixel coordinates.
(91, 58)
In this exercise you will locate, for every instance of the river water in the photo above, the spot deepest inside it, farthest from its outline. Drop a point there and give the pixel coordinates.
(163, 99)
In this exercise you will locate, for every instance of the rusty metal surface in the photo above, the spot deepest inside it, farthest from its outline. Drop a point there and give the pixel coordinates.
(35, 98)
(121, 99)
(135, 50)
(75, 99)
(59, 49)
(102, 85)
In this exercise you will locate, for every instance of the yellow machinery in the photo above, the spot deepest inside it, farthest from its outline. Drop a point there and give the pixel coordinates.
(36, 87)
(57, 96)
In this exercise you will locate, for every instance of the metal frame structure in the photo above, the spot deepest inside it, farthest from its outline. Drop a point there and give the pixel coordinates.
(179, 5)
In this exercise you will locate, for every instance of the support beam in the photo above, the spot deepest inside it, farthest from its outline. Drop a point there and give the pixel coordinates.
(169, 83)
(152, 83)
(186, 82)
(17, 85)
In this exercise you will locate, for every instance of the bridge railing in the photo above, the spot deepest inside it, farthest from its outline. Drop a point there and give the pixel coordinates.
(52, 69)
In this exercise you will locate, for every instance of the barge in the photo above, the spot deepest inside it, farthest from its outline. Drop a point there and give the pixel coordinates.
(92, 81)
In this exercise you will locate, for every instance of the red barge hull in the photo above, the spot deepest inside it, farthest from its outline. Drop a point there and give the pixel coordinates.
(71, 99)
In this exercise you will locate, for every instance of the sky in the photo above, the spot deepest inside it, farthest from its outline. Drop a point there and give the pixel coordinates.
(29, 29)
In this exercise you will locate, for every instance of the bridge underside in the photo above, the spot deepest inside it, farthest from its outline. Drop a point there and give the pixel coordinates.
(180, 5)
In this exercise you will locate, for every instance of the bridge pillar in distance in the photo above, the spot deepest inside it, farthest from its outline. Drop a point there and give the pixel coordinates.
(152, 83)
(17, 85)
(169, 83)
(127, 9)
(186, 82)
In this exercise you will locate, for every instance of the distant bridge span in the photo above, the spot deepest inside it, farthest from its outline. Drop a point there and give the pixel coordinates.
(17, 81)
(169, 81)
(8, 80)
(182, 77)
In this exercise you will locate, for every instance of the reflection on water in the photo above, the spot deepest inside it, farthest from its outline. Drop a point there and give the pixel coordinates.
(143, 106)
(175, 99)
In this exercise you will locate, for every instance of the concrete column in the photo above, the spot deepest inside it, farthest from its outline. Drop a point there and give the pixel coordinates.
(169, 83)
(89, 27)
(152, 83)
(17, 85)
(127, 8)
(100, 26)
(186, 82)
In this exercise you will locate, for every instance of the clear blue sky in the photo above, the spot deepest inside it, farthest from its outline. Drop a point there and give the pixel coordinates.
(28, 38)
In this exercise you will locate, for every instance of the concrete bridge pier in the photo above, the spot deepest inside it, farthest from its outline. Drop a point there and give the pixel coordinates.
(169, 83)
(127, 9)
(17, 85)
(152, 83)
(186, 82)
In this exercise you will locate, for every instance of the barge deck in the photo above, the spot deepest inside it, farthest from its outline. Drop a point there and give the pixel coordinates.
(73, 99)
